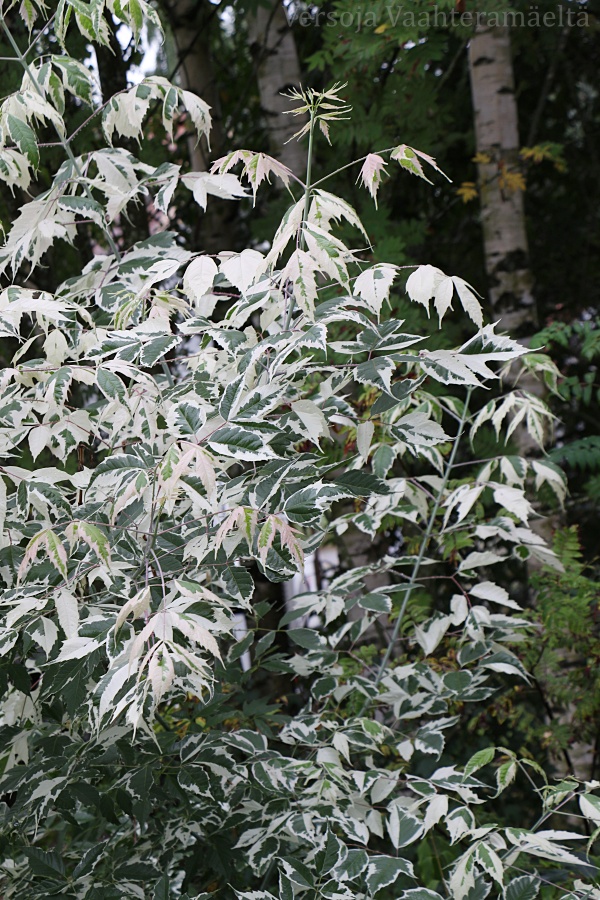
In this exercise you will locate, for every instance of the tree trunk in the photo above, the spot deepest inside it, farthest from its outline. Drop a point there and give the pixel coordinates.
(113, 70)
(502, 209)
(278, 69)
(502, 212)
(191, 22)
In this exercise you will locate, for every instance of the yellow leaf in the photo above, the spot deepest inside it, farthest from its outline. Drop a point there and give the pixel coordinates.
(467, 191)
(381, 28)
(545, 151)
(482, 158)
(511, 181)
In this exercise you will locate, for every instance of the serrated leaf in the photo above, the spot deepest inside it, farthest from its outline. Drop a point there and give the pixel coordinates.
(77, 79)
(525, 887)
(110, 384)
(506, 774)
(25, 139)
(67, 610)
(374, 284)
(480, 759)
(384, 870)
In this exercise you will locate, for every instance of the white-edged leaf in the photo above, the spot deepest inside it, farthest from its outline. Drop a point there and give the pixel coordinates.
(67, 610)
(199, 277)
(312, 418)
(364, 437)
(371, 174)
(374, 284)
(493, 593)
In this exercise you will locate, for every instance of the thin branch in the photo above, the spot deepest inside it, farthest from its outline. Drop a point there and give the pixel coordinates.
(423, 548)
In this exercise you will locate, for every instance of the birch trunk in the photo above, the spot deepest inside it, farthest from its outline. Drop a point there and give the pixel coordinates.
(190, 22)
(502, 209)
(502, 212)
(278, 69)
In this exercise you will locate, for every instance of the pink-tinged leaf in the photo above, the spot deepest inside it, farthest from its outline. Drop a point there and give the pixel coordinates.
(261, 166)
(325, 130)
(408, 158)
(237, 518)
(432, 163)
(55, 550)
(289, 539)
(90, 535)
(257, 167)
(225, 163)
(137, 605)
(371, 174)
(194, 629)
(56, 553)
(266, 538)
(205, 471)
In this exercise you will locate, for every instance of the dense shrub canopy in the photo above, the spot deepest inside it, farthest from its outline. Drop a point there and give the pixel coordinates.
(179, 429)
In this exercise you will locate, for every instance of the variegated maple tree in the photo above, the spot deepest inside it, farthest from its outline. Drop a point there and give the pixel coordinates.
(137, 757)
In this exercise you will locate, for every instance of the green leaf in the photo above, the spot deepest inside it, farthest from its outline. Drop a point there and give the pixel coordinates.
(118, 462)
(77, 79)
(384, 870)
(110, 384)
(61, 383)
(506, 775)
(188, 418)
(25, 139)
(240, 648)
(332, 856)
(85, 207)
(86, 864)
(480, 759)
(403, 827)
(301, 508)
(353, 865)
(240, 443)
(420, 893)
(306, 637)
(156, 349)
(379, 603)
(360, 484)
(238, 581)
(45, 864)
(525, 887)
(161, 889)
(298, 873)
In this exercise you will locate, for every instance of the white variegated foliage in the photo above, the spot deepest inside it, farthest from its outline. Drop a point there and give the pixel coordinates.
(176, 451)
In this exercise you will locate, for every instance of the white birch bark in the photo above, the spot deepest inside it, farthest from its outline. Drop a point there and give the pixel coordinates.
(190, 21)
(190, 34)
(502, 212)
(278, 69)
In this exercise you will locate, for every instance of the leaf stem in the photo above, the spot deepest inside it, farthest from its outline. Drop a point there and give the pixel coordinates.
(307, 193)
(349, 166)
(423, 549)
